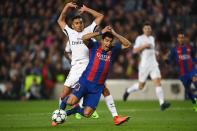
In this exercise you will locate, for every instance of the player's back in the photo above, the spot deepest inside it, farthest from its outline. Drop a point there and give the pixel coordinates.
(147, 56)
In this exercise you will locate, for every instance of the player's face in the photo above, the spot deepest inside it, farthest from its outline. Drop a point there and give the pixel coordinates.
(147, 30)
(181, 38)
(106, 43)
(78, 25)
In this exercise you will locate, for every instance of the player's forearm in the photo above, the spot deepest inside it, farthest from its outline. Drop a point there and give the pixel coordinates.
(88, 36)
(61, 19)
(98, 16)
(126, 43)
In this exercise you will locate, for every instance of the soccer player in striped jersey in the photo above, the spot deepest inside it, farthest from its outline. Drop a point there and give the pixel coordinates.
(184, 56)
(80, 60)
(92, 82)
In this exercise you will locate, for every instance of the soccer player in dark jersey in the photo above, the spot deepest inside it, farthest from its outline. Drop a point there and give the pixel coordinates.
(91, 83)
(184, 55)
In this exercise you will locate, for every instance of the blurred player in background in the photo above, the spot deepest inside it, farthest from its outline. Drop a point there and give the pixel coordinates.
(145, 46)
(92, 82)
(184, 56)
(80, 54)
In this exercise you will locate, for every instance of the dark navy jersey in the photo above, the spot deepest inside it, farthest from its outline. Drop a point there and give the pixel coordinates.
(100, 61)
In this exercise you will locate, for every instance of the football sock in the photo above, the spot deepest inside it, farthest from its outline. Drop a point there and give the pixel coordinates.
(60, 101)
(75, 110)
(160, 94)
(133, 88)
(63, 103)
(111, 105)
(81, 102)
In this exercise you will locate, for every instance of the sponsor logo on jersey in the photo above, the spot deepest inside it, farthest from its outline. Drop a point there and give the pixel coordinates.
(77, 42)
(184, 57)
(103, 56)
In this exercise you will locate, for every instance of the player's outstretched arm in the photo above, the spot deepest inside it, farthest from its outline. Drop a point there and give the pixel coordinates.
(61, 20)
(88, 36)
(125, 43)
(98, 16)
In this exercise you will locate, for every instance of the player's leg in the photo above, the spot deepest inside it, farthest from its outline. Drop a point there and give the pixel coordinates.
(90, 102)
(156, 77)
(186, 81)
(77, 115)
(112, 108)
(142, 76)
(64, 94)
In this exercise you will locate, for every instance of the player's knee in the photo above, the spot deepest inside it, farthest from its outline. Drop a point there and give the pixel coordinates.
(106, 92)
(141, 86)
(72, 100)
(87, 113)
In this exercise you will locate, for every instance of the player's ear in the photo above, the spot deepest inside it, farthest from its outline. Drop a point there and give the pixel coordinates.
(72, 26)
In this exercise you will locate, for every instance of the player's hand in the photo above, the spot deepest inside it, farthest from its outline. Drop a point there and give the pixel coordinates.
(147, 46)
(71, 5)
(83, 9)
(106, 29)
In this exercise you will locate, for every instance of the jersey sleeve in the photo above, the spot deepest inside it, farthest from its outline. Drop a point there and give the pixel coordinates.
(137, 43)
(67, 30)
(91, 28)
(91, 43)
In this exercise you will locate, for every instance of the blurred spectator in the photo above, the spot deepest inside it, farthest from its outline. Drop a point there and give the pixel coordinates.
(32, 42)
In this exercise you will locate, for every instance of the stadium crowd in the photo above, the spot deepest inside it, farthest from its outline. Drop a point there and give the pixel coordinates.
(32, 45)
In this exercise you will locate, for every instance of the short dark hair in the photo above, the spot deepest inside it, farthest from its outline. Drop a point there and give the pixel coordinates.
(146, 23)
(107, 34)
(76, 17)
(180, 32)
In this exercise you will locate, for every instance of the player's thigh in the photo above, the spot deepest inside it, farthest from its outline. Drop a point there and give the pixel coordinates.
(106, 91)
(66, 91)
(73, 77)
(79, 90)
(143, 74)
(88, 111)
(92, 98)
(72, 100)
(155, 73)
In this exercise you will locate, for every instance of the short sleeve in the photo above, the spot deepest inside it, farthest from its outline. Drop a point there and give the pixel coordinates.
(92, 43)
(137, 43)
(92, 27)
(67, 30)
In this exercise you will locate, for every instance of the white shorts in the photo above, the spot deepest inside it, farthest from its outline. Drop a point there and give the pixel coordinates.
(144, 72)
(74, 75)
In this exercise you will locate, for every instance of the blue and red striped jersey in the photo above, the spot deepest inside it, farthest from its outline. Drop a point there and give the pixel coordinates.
(184, 56)
(100, 61)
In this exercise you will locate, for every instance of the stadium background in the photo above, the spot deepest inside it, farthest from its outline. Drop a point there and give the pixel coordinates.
(32, 44)
(32, 63)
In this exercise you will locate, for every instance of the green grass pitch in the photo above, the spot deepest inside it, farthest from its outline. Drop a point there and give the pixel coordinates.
(145, 116)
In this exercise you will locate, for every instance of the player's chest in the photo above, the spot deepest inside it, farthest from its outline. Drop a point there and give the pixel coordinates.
(103, 55)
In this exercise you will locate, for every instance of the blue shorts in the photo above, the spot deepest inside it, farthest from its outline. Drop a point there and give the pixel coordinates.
(187, 78)
(90, 92)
